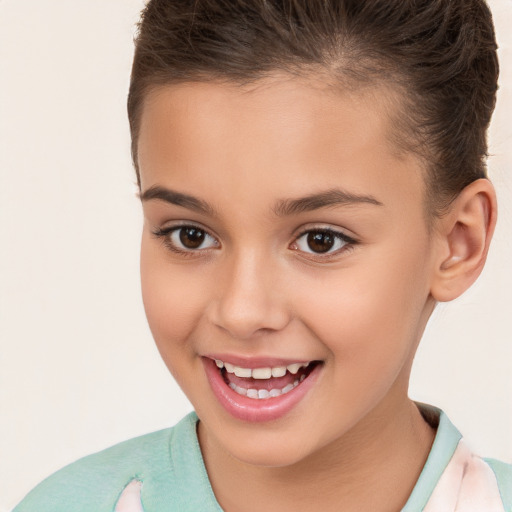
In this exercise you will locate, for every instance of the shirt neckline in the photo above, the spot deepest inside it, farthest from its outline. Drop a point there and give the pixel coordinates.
(187, 457)
(445, 443)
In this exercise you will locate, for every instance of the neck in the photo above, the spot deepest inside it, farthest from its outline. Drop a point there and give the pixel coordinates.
(384, 453)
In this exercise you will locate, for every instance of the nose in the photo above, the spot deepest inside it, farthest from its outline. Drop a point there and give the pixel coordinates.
(250, 300)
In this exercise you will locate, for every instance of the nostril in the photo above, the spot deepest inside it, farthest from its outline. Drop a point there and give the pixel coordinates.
(247, 300)
(246, 318)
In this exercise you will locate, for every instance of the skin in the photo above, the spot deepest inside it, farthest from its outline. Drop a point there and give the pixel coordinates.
(255, 288)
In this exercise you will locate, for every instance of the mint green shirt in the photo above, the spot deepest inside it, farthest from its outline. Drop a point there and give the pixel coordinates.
(170, 467)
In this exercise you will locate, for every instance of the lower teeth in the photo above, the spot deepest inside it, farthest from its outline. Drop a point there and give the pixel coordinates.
(262, 394)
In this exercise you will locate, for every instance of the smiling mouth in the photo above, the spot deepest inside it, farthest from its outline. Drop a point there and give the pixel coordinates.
(266, 382)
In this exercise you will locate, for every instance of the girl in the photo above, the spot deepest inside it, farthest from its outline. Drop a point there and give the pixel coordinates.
(313, 183)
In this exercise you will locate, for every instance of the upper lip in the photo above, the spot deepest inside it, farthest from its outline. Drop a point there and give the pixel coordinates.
(256, 362)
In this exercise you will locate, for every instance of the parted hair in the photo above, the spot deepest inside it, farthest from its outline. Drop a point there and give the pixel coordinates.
(439, 54)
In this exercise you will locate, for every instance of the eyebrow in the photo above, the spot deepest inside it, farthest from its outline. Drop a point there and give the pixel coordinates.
(333, 197)
(178, 198)
(283, 207)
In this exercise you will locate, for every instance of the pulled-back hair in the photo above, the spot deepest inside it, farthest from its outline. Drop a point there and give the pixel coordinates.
(439, 54)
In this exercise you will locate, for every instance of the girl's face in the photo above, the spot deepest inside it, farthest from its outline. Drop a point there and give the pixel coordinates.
(282, 230)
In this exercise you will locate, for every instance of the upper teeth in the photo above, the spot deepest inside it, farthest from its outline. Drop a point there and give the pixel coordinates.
(260, 373)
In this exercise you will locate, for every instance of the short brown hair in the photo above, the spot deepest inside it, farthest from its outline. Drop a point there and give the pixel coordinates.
(441, 54)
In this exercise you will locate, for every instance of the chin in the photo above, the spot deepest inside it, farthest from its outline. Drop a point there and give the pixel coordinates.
(269, 447)
(267, 456)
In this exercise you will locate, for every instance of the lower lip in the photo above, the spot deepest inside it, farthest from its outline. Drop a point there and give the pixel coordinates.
(252, 409)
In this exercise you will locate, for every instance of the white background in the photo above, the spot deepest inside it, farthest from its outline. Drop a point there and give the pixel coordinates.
(78, 369)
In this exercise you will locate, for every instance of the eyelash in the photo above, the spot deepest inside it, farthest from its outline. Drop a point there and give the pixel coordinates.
(166, 234)
(339, 236)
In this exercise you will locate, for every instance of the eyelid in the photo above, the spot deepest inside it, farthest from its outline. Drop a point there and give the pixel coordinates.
(165, 232)
(342, 232)
(176, 224)
(339, 233)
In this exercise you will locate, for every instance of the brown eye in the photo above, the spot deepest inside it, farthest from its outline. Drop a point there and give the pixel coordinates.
(192, 238)
(321, 241)
(187, 239)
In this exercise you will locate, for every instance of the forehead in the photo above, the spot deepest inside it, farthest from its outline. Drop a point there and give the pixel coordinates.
(293, 132)
(272, 109)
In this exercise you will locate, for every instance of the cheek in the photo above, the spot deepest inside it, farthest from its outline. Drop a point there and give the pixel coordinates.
(172, 300)
(370, 315)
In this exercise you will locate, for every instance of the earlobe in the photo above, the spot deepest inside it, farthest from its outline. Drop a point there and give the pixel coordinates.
(464, 235)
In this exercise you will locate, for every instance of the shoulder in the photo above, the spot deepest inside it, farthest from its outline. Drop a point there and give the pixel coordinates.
(503, 474)
(95, 482)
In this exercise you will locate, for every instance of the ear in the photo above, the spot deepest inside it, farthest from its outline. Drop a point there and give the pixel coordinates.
(464, 235)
